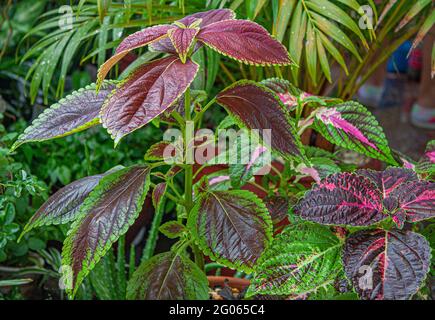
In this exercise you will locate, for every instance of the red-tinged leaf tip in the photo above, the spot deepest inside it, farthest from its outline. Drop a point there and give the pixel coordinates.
(258, 107)
(386, 265)
(133, 41)
(244, 41)
(146, 94)
(183, 39)
(158, 193)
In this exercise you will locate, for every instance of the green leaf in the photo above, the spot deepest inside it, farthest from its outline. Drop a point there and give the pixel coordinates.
(415, 10)
(301, 260)
(168, 276)
(106, 214)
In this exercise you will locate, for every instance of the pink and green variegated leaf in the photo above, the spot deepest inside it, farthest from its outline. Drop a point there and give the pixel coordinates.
(183, 39)
(426, 165)
(258, 108)
(343, 199)
(105, 215)
(389, 179)
(231, 227)
(386, 265)
(414, 201)
(207, 17)
(172, 229)
(300, 260)
(146, 94)
(63, 206)
(350, 125)
(290, 95)
(168, 276)
(76, 112)
(133, 41)
(244, 41)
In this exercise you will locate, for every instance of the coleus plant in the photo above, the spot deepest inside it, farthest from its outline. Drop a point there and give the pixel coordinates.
(228, 215)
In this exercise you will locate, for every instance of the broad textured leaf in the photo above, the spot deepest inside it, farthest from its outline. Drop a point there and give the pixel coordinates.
(133, 41)
(182, 39)
(64, 205)
(257, 107)
(244, 41)
(414, 201)
(168, 276)
(147, 93)
(389, 179)
(74, 113)
(106, 214)
(207, 17)
(301, 260)
(231, 227)
(386, 265)
(343, 199)
(172, 229)
(350, 125)
(103, 278)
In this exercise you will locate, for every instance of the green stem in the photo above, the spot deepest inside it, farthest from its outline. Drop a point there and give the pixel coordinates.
(188, 176)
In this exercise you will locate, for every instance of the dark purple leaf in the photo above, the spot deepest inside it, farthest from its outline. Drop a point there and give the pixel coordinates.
(172, 229)
(207, 17)
(158, 193)
(244, 41)
(231, 227)
(343, 199)
(386, 265)
(415, 202)
(390, 179)
(168, 276)
(77, 112)
(133, 41)
(147, 93)
(105, 215)
(257, 107)
(182, 39)
(64, 205)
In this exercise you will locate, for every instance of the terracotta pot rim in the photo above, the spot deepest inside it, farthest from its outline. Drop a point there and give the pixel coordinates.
(238, 283)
